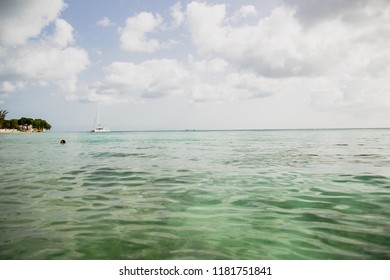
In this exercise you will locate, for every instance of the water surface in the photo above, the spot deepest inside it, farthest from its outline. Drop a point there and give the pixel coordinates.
(283, 194)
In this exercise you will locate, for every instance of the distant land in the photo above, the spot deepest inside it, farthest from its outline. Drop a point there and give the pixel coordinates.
(22, 125)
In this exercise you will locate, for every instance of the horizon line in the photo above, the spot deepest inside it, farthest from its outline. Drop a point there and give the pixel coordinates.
(231, 129)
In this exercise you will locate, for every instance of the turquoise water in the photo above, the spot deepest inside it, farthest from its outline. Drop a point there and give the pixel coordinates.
(288, 194)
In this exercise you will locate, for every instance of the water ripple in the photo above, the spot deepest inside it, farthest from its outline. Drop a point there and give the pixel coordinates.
(198, 195)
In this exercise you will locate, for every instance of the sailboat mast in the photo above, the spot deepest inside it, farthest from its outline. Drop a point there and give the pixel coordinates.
(98, 116)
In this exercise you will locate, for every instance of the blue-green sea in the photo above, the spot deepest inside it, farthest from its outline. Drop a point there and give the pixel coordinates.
(265, 194)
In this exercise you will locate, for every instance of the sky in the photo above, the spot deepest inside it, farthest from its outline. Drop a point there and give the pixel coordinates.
(218, 64)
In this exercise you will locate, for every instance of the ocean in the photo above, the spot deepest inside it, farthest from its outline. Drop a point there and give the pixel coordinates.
(260, 194)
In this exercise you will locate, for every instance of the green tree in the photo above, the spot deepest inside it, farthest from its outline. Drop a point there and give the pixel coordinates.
(11, 124)
(3, 114)
(46, 125)
(14, 124)
(6, 124)
(25, 121)
(40, 124)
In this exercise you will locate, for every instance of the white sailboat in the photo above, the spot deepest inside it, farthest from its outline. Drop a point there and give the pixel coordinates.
(97, 126)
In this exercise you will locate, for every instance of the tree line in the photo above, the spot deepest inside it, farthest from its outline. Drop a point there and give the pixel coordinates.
(23, 124)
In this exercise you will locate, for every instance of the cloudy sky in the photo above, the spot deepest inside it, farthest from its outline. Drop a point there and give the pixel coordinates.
(218, 64)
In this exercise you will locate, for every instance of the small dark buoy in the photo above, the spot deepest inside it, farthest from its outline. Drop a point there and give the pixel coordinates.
(62, 142)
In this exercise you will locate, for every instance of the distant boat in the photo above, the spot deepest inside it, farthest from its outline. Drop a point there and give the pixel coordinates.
(97, 126)
(100, 128)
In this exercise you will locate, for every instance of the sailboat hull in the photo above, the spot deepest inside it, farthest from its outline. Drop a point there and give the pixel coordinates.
(101, 130)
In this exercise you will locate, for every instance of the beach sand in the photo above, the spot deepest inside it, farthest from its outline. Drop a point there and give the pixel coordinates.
(9, 131)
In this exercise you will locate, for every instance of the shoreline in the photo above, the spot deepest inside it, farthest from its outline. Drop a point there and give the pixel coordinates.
(15, 131)
(9, 131)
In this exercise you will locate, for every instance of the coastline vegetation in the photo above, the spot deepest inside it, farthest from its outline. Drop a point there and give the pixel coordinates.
(23, 124)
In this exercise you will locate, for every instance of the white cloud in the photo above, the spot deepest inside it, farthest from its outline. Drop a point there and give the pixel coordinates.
(50, 59)
(270, 47)
(245, 12)
(105, 22)
(198, 80)
(133, 37)
(204, 23)
(129, 82)
(349, 58)
(353, 11)
(177, 14)
(150, 79)
(39, 63)
(208, 67)
(9, 87)
(98, 93)
(233, 87)
(63, 34)
(21, 20)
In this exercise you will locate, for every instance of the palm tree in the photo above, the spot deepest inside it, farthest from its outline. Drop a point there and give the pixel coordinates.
(3, 113)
